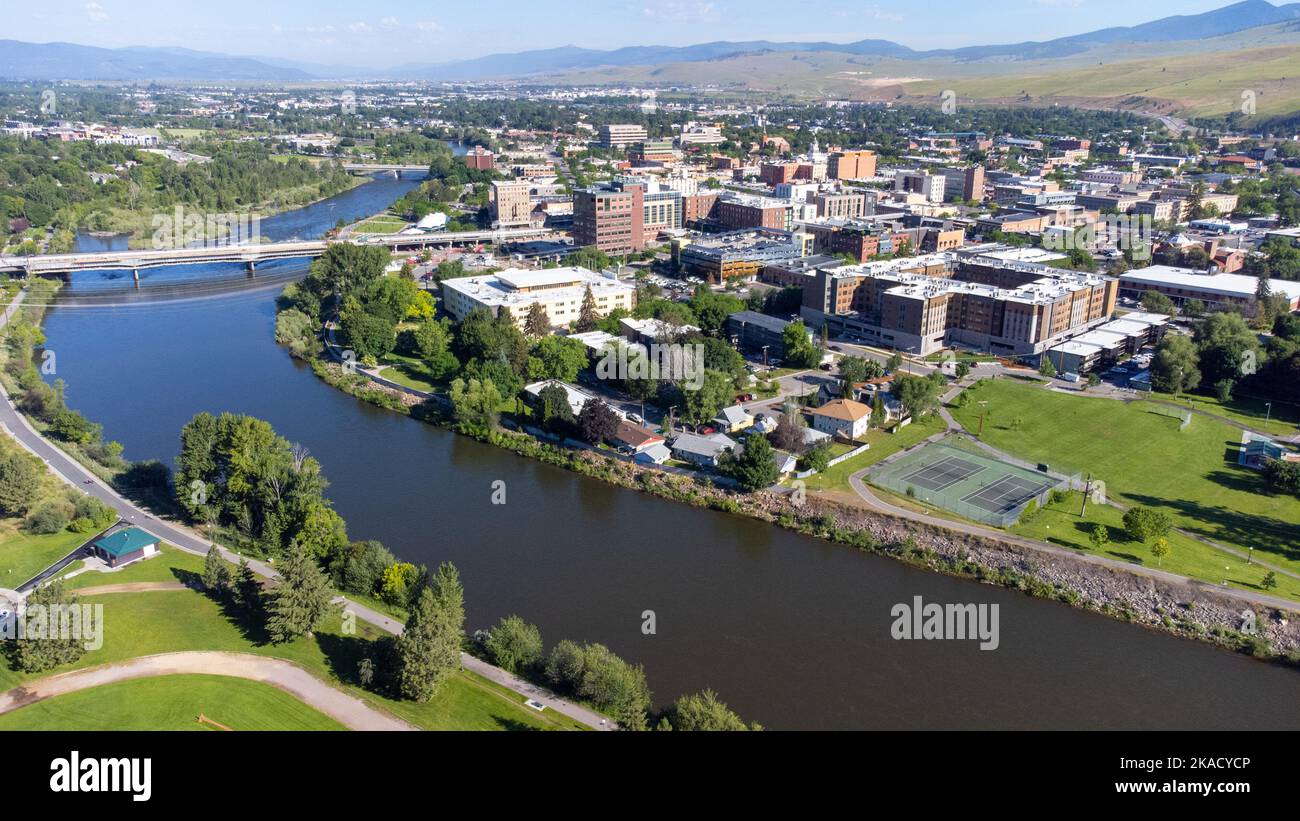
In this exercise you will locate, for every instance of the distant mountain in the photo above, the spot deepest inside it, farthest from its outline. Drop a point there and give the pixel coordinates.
(1237, 17)
(74, 62)
(68, 61)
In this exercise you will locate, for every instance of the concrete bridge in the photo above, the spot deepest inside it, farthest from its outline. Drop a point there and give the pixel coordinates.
(247, 255)
(394, 168)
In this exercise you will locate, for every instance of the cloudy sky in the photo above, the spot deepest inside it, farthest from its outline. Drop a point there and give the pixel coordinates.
(384, 33)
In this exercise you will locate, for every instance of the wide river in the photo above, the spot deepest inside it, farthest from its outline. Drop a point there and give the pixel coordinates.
(792, 631)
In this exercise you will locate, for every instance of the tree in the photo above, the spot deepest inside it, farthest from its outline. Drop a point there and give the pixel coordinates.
(856, 369)
(1176, 365)
(1093, 380)
(1099, 536)
(20, 482)
(428, 650)
(789, 432)
(1047, 367)
(702, 405)
(754, 467)
(557, 357)
(1270, 581)
(346, 269)
(474, 403)
(43, 646)
(1160, 549)
(371, 337)
(537, 323)
(799, 349)
(565, 665)
(216, 572)
(704, 711)
(554, 408)
(895, 361)
(1227, 347)
(817, 457)
(514, 644)
(919, 394)
(248, 588)
(587, 313)
(962, 369)
(1158, 303)
(300, 601)
(615, 686)
(1143, 524)
(597, 421)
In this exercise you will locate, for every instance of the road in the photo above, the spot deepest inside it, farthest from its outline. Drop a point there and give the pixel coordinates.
(346, 709)
(72, 472)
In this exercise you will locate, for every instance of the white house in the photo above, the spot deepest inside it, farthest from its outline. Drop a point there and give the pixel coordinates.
(842, 417)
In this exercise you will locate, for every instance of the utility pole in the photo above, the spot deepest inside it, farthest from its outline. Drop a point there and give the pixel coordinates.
(1087, 491)
(984, 406)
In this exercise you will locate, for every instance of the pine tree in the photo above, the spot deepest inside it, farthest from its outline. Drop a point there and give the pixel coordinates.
(587, 316)
(42, 648)
(537, 324)
(248, 588)
(429, 648)
(216, 572)
(301, 600)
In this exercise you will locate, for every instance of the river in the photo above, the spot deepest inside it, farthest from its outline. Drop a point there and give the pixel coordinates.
(791, 631)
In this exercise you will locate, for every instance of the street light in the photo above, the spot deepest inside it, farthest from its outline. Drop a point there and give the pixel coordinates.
(1268, 414)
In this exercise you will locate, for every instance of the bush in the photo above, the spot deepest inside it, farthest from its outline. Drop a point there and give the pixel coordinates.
(50, 517)
(514, 644)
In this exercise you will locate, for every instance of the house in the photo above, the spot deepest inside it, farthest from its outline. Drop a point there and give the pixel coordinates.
(764, 423)
(1257, 451)
(785, 462)
(125, 546)
(630, 438)
(733, 419)
(576, 396)
(653, 455)
(705, 451)
(842, 417)
(813, 437)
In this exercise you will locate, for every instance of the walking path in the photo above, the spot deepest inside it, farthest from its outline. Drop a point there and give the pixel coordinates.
(76, 475)
(348, 710)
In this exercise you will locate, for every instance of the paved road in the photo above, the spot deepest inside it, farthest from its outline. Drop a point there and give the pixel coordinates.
(186, 539)
(348, 710)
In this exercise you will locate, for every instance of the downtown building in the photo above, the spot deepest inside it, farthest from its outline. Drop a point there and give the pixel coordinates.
(621, 136)
(924, 304)
(610, 218)
(510, 204)
(560, 292)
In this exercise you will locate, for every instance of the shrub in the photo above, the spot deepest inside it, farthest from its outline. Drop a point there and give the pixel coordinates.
(50, 517)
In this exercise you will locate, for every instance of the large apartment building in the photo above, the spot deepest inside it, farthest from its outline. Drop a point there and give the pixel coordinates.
(924, 304)
(610, 217)
(851, 165)
(560, 291)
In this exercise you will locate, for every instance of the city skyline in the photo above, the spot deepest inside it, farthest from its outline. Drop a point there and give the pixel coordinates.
(388, 34)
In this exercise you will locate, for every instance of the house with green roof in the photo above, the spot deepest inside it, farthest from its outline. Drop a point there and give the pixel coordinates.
(125, 546)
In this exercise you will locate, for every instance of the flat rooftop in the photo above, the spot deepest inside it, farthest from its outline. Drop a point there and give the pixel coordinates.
(1234, 285)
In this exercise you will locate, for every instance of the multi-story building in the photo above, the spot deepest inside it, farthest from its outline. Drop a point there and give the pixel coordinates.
(1216, 289)
(610, 218)
(652, 152)
(740, 254)
(930, 186)
(851, 165)
(560, 291)
(737, 211)
(510, 204)
(963, 183)
(479, 158)
(775, 173)
(840, 205)
(622, 135)
(701, 134)
(923, 304)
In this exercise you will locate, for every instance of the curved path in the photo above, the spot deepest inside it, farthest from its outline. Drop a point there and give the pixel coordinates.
(75, 474)
(348, 710)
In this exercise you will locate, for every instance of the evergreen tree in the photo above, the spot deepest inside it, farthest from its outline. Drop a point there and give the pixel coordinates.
(301, 600)
(216, 572)
(248, 588)
(428, 650)
(41, 648)
(537, 324)
(587, 316)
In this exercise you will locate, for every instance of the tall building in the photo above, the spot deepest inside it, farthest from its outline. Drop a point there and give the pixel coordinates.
(479, 158)
(610, 218)
(964, 183)
(622, 135)
(737, 211)
(930, 186)
(851, 165)
(510, 204)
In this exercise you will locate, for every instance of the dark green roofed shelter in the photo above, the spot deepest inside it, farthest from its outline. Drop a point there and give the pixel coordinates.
(128, 545)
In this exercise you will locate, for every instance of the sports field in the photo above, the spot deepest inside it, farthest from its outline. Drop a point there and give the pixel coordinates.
(966, 482)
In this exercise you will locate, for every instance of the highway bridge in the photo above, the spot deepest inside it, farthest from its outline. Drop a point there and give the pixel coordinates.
(247, 255)
(395, 168)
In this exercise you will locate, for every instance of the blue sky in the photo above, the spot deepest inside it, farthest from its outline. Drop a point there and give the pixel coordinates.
(381, 33)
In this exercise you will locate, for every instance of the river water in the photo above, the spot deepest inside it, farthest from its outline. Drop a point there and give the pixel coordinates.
(792, 631)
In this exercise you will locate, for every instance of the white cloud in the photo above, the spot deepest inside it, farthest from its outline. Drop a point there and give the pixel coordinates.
(681, 11)
(878, 13)
(1074, 4)
(389, 22)
(95, 12)
(360, 27)
(428, 26)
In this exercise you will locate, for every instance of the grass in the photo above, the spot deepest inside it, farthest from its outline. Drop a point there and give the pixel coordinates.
(1059, 523)
(1146, 460)
(882, 445)
(1282, 420)
(23, 555)
(171, 703)
(408, 371)
(381, 224)
(161, 568)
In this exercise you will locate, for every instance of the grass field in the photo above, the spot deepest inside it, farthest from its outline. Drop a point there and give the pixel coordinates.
(1282, 418)
(381, 224)
(173, 565)
(22, 555)
(145, 623)
(1059, 523)
(1144, 459)
(171, 703)
(408, 371)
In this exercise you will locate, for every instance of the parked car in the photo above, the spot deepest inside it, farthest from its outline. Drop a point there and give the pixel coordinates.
(635, 419)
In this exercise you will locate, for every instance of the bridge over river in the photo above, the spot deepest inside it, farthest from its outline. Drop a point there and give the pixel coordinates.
(248, 255)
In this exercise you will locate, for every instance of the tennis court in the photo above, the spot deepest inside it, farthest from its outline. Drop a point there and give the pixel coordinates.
(956, 475)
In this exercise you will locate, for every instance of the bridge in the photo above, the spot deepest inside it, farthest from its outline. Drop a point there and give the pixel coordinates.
(395, 168)
(248, 255)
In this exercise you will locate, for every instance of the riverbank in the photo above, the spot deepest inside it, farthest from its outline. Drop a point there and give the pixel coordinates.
(1186, 609)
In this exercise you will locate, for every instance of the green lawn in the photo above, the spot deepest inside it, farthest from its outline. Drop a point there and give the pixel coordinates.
(1143, 457)
(1059, 523)
(145, 623)
(171, 565)
(1282, 420)
(882, 445)
(171, 703)
(408, 371)
(22, 555)
(381, 224)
